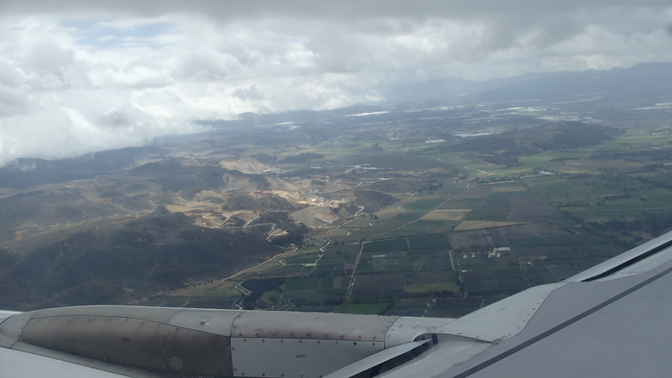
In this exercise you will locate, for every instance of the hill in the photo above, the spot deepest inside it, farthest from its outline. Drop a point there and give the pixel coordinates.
(114, 264)
(505, 148)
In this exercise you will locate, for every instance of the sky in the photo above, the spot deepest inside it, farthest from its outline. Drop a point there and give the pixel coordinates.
(78, 77)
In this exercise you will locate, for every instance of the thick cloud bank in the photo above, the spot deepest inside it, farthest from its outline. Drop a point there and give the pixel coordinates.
(83, 76)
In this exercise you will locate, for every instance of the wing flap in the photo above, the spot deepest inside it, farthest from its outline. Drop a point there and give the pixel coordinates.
(377, 359)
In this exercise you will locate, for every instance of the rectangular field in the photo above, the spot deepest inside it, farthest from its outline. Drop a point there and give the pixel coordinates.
(478, 191)
(447, 215)
(424, 204)
(460, 204)
(476, 225)
(418, 228)
(430, 261)
(434, 241)
(530, 209)
(400, 244)
(477, 239)
(380, 227)
(375, 287)
(502, 281)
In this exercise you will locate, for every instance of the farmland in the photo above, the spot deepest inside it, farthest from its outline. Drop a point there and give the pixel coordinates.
(442, 233)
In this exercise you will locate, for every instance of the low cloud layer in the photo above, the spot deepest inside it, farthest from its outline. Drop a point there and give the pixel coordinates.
(83, 76)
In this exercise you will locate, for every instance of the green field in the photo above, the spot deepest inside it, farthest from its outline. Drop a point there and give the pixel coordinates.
(558, 212)
(436, 241)
(387, 245)
(382, 226)
(311, 283)
(419, 228)
(461, 204)
(424, 204)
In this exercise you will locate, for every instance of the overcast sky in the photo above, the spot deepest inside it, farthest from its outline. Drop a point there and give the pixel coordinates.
(84, 76)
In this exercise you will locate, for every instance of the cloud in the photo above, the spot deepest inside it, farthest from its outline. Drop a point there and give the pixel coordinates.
(131, 77)
(116, 118)
(251, 93)
(10, 76)
(13, 93)
(28, 167)
(55, 133)
(79, 76)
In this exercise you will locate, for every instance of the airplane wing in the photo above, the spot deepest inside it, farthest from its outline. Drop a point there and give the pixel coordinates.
(611, 320)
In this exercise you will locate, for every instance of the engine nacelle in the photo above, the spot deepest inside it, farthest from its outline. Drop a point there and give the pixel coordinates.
(217, 343)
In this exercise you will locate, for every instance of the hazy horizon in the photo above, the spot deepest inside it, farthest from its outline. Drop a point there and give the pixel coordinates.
(85, 76)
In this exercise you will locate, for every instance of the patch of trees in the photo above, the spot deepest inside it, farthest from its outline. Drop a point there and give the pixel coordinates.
(305, 157)
(188, 194)
(430, 186)
(281, 219)
(576, 134)
(484, 144)
(374, 200)
(509, 161)
(261, 181)
(650, 155)
(258, 287)
(653, 224)
(532, 141)
(287, 240)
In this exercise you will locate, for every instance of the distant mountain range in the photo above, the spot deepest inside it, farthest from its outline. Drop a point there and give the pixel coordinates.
(646, 80)
(644, 84)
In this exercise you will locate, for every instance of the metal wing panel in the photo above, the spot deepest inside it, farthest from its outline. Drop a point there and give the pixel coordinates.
(12, 327)
(627, 335)
(6, 314)
(617, 326)
(273, 357)
(21, 364)
(155, 314)
(502, 319)
(328, 326)
(375, 359)
(212, 321)
(408, 328)
(450, 352)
